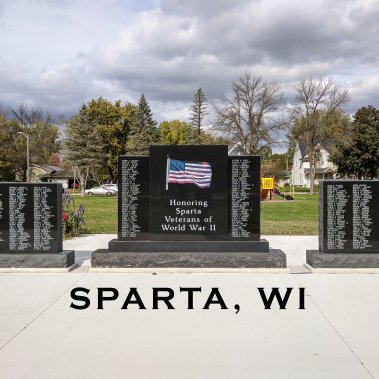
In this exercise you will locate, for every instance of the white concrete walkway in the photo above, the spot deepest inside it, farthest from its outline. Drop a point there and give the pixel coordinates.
(335, 336)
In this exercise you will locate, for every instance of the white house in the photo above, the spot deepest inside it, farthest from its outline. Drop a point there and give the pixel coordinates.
(236, 150)
(300, 173)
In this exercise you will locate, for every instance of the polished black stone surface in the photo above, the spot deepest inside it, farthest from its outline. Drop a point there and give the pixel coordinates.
(133, 198)
(244, 198)
(186, 211)
(30, 217)
(348, 216)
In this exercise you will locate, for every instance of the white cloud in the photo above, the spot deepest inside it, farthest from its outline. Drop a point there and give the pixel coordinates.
(60, 55)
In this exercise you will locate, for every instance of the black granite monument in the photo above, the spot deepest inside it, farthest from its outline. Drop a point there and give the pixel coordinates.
(348, 230)
(189, 206)
(31, 226)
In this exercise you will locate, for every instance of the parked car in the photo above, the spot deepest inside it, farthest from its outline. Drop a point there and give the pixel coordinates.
(100, 191)
(113, 187)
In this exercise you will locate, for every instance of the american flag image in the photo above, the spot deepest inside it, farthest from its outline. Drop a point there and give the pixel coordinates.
(181, 172)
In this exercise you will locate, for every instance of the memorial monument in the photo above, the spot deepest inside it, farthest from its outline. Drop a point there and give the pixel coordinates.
(189, 206)
(348, 225)
(31, 226)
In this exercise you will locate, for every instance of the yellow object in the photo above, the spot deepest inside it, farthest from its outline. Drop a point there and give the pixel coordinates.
(267, 183)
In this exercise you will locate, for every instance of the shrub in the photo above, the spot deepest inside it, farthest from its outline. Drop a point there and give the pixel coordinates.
(72, 219)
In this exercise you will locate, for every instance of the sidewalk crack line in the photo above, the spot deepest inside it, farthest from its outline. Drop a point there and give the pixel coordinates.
(338, 333)
(41, 313)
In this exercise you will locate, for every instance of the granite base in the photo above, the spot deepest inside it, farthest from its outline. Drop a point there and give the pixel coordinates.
(261, 246)
(316, 259)
(274, 258)
(65, 258)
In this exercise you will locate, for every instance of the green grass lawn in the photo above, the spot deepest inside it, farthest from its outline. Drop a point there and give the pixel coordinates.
(280, 217)
(100, 213)
(299, 216)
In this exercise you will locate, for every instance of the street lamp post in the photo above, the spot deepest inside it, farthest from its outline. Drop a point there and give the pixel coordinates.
(27, 156)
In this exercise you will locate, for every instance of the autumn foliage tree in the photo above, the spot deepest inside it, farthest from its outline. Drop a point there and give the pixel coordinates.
(112, 122)
(38, 126)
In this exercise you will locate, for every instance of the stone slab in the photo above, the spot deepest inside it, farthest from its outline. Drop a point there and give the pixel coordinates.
(65, 258)
(30, 217)
(275, 258)
(261, 246)
(184, 209)
(348, 210)
(316, 259)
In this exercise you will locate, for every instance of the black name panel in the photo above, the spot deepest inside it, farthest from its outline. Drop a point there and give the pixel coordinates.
(244, 198)
(133, 198)
(30, 217)
(348, 216)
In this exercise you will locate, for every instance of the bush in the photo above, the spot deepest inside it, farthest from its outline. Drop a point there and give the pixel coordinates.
(72, 219)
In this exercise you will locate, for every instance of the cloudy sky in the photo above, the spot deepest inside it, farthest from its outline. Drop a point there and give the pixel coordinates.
(58, 54)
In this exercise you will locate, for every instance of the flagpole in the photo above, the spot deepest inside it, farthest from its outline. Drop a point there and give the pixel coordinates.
(167, 171)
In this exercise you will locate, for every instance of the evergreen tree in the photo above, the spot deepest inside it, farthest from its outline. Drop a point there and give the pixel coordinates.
(83, 147)
(143, 130)
(198, 112)
(360, 155)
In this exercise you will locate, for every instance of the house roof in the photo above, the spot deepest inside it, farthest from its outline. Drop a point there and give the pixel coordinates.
(62, 174)
(303, 147)
(325, 170)
(47, 167)
(236, 150)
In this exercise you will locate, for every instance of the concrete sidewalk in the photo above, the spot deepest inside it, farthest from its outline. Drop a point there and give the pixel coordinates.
(335, 336)
(294, 247)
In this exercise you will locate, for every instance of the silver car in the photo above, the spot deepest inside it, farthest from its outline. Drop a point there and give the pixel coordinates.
(113, 187)
(100, 191)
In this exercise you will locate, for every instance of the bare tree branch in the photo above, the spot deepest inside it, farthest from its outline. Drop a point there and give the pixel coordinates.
(252, 114)
(317, 101)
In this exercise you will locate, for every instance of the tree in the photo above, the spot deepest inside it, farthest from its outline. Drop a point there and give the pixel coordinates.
(276, 165)
(84, 150)
(143, 130)
(360, 155)
(210, 139)
(55, 159)
(38, 126)
(175, 132)
(318, 104)
(113, 122)
(180, 133)
(252, 115)
(8, 130)
(198, 112)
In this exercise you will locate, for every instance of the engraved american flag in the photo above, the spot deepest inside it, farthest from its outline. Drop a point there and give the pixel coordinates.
(181, 172)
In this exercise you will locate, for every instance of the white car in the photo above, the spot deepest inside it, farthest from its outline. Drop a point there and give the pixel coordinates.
(113, 187)
(100, 191)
